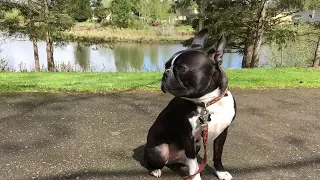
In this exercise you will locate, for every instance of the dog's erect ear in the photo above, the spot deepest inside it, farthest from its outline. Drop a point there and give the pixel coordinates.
(217, 51)
(200, 39)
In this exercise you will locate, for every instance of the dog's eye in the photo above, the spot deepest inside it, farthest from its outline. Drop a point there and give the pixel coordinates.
(182, 69)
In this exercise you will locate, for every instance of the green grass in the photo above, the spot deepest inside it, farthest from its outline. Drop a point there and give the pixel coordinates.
(102, 82)
(274, 78)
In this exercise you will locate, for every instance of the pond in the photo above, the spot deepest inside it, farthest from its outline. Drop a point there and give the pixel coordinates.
(123, 57)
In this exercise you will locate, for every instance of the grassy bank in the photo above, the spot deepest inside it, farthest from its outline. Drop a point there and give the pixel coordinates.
(101, 82)
(94, 32)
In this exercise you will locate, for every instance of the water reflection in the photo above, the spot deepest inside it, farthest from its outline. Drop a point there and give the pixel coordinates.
(123, 57)
(82, 56)
(129, 57)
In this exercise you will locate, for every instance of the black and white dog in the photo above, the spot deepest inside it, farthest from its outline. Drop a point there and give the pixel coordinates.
(193, 76)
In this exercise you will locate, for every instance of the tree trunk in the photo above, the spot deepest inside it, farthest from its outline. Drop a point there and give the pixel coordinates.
(259, 35)
(247, 56)
(49, 42)
(248, 51)
(36, 54)
(316, 60)
(49, 49)
(202, 8)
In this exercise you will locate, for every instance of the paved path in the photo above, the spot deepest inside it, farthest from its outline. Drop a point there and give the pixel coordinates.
(276, 135)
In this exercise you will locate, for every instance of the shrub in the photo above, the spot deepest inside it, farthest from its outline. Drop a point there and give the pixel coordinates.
(121, 12)
(293, 54)
(105, 22)
(165, 30)
(136, 24)
(3, 66)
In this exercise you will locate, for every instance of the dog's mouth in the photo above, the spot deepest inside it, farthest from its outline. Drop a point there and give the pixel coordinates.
(173, 90)
(167, 87)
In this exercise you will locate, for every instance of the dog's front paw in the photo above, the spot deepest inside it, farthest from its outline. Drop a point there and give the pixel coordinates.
(224, 175)
(156, 173)
(197, 177)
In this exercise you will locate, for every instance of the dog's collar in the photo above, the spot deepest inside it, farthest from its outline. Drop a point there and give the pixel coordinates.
(205, 105)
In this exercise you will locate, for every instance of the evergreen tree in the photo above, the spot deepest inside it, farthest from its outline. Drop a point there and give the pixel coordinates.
(247, 24)
(100, 10)
(122, 11)
(39, 20)
(80, 10)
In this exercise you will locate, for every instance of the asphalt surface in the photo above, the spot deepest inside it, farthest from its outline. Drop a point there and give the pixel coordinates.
(276, 135)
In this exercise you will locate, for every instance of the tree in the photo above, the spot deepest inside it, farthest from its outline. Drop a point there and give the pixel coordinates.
(41, 20)
(100, 10)
(145, 10)
(315, 6)
(316, 59)
(80, 10)
(122, 12)
(35, 52)
(247, 23)
(54, 20)
(259, 34)
(202, 12)
(191, 5)
(185, 7)
(159, 9)
(15, 23)
(154, 9)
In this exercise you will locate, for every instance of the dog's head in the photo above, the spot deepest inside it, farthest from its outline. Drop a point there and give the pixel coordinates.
(194, 72)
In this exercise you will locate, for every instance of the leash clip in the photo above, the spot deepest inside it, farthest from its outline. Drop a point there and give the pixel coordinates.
(204, 117)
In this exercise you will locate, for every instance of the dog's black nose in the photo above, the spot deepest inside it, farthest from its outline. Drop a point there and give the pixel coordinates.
(167, 73)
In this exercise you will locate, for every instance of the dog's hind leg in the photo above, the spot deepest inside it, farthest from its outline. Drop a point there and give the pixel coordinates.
(218, 148)
(156, 158)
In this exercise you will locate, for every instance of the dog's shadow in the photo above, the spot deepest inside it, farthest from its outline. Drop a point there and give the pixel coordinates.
(138, 154)
(180, 169)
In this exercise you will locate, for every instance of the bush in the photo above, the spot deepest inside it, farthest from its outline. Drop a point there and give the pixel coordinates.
(136, 24)
(4, 66)
(165, 30)
(293, 49)
(294, 54)
(81, 10)
(105, 22)
(121, 12)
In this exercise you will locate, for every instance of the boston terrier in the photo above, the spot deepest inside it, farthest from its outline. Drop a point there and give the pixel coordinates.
(195, 78)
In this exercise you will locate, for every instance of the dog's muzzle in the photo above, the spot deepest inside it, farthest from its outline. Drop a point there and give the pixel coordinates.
(168, 73)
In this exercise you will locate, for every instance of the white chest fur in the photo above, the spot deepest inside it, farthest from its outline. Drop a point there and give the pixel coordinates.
(221, 114)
